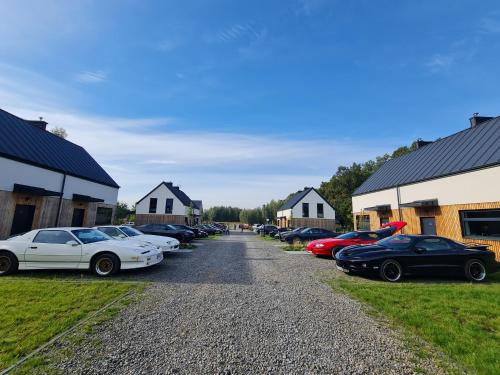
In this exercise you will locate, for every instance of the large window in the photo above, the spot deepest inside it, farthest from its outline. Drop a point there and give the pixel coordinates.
(53, 237)
(169, 205)
(305, 209)
(152, 205)
(320, 212)
(481, 224)
(103, 216)
(363, 222)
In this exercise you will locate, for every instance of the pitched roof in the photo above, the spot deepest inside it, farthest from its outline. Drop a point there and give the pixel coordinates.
(186, 201)
(298, 196)
(473, 148)
(24, 142)
(198, 204)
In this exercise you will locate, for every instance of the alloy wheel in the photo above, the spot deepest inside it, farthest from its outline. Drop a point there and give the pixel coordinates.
(104, 266)
(477, 271)
(5, 264)
(392, 271)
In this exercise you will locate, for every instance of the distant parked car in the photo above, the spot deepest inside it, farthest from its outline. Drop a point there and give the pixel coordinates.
(207, 229)
(168, 231)
(275, 232)
(309, 234)
(255, 227)
(331, 246)
(396, 256)
(284, 234)
(74, 248)
(198, 233)
(266, 229)
(123, 232)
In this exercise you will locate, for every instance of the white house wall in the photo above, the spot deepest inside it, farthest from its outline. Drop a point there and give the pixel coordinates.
(479, 186)
(313, 199)
(76, 185)
(14, 172)
(161, 193)
(285, 213)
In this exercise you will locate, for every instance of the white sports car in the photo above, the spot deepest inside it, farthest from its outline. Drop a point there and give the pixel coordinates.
(74, 248)
(123, 232)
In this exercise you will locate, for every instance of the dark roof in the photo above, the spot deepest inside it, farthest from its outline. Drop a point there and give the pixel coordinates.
(198, 204)
(24, 142)
(473, 148)
(297, 197)
(186, 201)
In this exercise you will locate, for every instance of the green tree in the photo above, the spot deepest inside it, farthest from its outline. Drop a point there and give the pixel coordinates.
(122, 212)
(60, 132)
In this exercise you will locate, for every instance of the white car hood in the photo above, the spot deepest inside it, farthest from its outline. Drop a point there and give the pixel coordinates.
(138, 246)
(155, 240)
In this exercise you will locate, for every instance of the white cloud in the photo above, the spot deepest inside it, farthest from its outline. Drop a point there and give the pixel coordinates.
(91, 77)
(217, 167)
(440, 62)
(237, 32)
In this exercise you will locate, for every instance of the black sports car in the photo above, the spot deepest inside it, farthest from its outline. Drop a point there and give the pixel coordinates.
(395, 256)
(266, 229)
(309, 234)
(198, 233)
(282, 235)
(168, 231)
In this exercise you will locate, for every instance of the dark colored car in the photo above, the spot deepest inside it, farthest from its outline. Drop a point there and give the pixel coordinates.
(198, 233)
(282, 235)
(167, 230)
(309, 234)
(275, 233)
(206, 228)
(266, 229)
(396, 256)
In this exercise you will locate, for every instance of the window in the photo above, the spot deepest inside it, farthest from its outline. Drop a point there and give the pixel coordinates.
(131, 232)
(305, 209)
(152, 205)
(384, 220)
(433, 244)
(481, 224)
(111, 231)
(53, 236)
(103, 215)
(320, 212)
(363, 222)
(169, 205)
(396, 242)
(348, 236)
(369, 236)
(90, 235)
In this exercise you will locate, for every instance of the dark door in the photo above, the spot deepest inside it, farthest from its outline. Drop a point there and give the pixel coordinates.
(434, 254)
(428, 225)
(23, 218)
(78, 214)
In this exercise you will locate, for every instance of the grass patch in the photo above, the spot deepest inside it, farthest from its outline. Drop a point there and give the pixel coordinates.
(189, 246)
(297, 247)
(213, 237)
(462, 319)
(35, 310)
(266, 238)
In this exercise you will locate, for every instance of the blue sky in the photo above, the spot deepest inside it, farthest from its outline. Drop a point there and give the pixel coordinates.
(241, 102)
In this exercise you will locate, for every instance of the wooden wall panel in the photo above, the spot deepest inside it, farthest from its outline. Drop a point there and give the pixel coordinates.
(141, 219)
(447, 221)
(312, 222)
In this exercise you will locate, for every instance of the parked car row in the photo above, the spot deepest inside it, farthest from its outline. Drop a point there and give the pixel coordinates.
(297, 235)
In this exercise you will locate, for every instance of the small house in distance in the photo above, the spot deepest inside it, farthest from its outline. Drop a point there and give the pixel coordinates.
(168, 204)
(450, 187)
(48, 181)
(306, 208)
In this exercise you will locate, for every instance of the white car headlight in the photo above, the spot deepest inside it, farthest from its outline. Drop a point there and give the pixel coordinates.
(319, 245)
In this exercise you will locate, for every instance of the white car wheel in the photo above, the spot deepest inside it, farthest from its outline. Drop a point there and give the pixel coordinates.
(106, 265)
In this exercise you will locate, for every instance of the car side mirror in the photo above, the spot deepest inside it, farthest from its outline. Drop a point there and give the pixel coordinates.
(420, 250)
(72, 243)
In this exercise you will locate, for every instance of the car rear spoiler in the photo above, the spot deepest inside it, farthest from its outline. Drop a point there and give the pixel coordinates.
(477, 246)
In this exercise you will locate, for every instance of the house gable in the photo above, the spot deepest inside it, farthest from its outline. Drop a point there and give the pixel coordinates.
(162, 192)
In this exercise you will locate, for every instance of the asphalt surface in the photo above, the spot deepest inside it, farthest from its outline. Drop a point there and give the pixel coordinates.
(241, 305)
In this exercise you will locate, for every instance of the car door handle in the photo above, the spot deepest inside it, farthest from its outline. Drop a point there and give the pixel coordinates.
(33, 247)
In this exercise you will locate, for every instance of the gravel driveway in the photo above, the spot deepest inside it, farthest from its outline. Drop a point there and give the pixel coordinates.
(240, 305)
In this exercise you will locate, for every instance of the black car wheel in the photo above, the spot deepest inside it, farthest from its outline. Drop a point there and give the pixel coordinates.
(8, 263)
(391, 271)
(105, 265)
(475, 270)
(335, 250)
(296, 241)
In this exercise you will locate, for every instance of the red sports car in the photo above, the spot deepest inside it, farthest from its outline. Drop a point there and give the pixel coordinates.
(331, 246)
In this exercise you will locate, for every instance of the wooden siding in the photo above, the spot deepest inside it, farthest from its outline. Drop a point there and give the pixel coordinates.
(46, 210)
(141, 219)
(311, 222)
(447, 221)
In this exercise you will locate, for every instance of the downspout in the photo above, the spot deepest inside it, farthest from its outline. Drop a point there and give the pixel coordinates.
(399, 207)
(59, 208)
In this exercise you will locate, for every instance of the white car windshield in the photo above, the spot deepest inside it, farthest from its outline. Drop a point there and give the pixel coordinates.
(131, 232)
(90, 235)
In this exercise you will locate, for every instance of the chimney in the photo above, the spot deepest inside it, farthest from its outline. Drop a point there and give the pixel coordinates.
(421, 143)
(475, 120)
(38, 123)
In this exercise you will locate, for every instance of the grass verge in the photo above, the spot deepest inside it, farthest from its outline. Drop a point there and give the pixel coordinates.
(298, 247)
(213, 237)
(35, 310)
(189, 246)
(461, 319)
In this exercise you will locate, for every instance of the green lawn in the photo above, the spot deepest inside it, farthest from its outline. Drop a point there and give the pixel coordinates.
(460, 318)
(35, 310)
